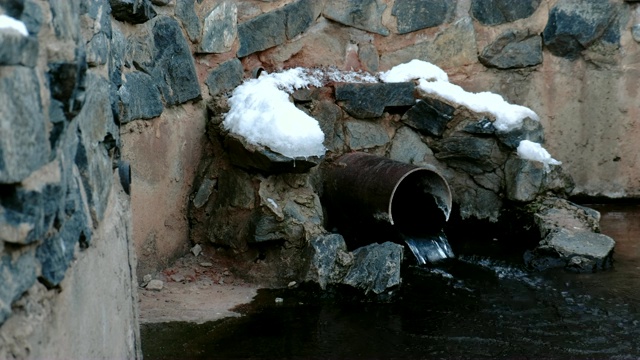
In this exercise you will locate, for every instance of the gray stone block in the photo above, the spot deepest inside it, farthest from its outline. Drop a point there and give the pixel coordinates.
(262, 32)
(578, 251)
(57, 251)
(407, 147)
(18, 274)
(220, 28)
(530, 130)
(23, 139)
(66, 21)
(635, 32)
(429, 116)
(98, 50)
(139, 98)
(365, 134)
(27, 214)
(186, 12)
(96, 125)
(32, 16)
(225, 77)
(575, 25)
(16, 49)
(364, 101)
(174, 70)
(376, 267)
(471, 154)
(361, 14)
(523, 179)
(329, 259)
(513, 49)
(300, 15)
(414, 15)
(495, 12)
(66, 84)
(132, 11)
(369, 57)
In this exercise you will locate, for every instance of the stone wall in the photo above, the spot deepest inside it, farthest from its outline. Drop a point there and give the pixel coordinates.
(579, 79)
(66, 257)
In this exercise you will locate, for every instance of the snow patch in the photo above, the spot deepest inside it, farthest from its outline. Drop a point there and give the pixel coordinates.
(414, 69)
(508, 116)
(7, 23)
(262, 113)
(530, 150)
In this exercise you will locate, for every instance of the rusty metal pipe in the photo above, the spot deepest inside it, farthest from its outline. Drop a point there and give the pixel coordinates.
(362, 190)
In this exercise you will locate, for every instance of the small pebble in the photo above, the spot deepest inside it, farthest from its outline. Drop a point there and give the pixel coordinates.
(206, 264)
(292, 284)
(196, 250)
(279, 300)
(177, 278)
(156, 285)
(226, 273)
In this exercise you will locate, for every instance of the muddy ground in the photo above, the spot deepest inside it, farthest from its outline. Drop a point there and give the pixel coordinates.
(195, 289)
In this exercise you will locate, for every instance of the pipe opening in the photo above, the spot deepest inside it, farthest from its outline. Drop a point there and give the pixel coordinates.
(375, 199)
(418, 205)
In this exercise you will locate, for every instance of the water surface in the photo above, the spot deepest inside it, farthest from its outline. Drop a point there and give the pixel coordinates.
(476, 307)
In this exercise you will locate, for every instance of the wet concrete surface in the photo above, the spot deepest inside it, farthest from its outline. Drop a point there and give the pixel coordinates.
(475, 307)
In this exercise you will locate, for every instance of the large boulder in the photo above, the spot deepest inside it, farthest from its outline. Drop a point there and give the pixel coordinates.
(373, 268)
(570, 237)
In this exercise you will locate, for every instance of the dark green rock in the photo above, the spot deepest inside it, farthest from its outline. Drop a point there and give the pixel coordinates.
(225, 77)
(174, 70)
(414, 15)
(495, 12)
(513, 49)
(369, 100)
(429, 116)
(139, 98)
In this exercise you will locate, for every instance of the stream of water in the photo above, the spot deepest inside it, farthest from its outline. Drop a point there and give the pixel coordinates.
(473, 307)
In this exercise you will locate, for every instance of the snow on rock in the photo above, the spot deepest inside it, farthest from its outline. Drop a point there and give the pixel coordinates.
(530, 150)
(433, 80)
(11, 24)
(262, 113)
(508, 116)
(414, 69)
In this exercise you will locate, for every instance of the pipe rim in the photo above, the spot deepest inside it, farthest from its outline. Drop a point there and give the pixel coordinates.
(443, 180)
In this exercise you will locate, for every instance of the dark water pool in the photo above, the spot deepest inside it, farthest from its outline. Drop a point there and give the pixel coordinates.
(472, 308)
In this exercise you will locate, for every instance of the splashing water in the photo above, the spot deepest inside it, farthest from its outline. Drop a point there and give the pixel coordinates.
(429, 249)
